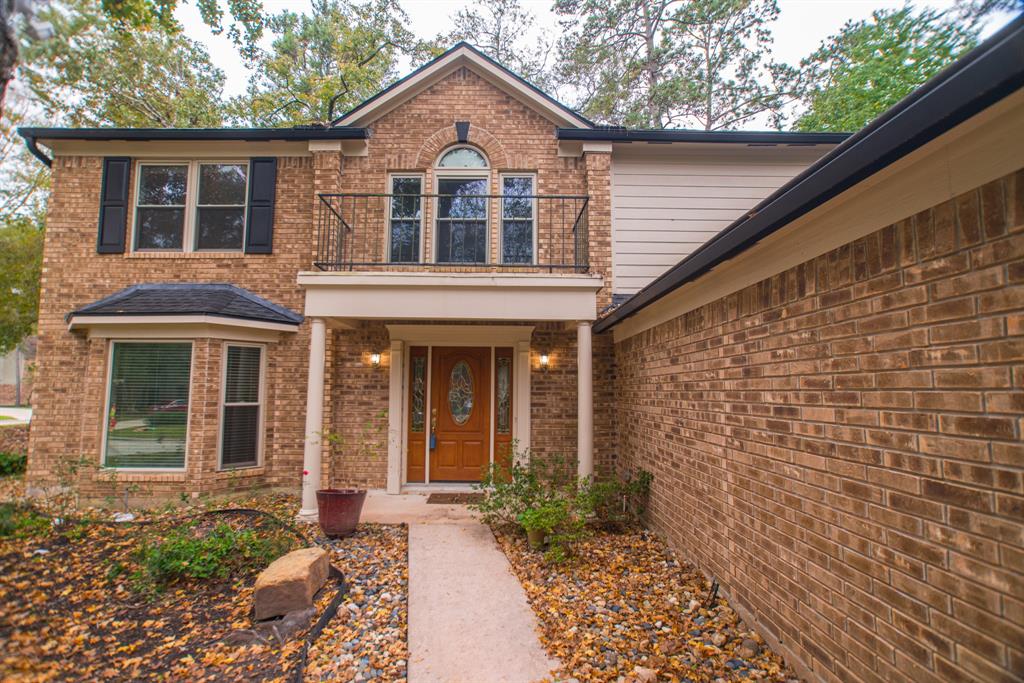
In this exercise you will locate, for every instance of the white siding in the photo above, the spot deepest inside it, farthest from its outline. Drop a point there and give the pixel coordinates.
(667, 200)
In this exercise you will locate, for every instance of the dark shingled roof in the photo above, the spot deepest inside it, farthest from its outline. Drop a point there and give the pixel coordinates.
(222, 300)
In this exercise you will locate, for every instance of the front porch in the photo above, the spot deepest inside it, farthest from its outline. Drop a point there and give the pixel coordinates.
(450, 370)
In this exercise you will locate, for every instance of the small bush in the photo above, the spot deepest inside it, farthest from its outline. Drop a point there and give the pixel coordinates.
(12, 463)
(221, 553)
(615, 503)
(21, 521)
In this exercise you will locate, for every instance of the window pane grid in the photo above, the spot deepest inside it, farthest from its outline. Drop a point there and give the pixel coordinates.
(147, 418)
(517, 225)
(240, 436)
(405, 218)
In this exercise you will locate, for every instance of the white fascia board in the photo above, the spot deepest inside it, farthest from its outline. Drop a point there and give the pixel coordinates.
(188, 325)
(448, 296)
(435, 72)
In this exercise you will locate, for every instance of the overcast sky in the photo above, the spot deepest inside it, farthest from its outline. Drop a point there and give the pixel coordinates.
(801, 26)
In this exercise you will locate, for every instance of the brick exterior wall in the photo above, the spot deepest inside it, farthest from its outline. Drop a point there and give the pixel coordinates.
(840, 446)
(72, 370)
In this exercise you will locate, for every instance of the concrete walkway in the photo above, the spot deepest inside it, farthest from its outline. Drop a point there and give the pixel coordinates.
(469, 621)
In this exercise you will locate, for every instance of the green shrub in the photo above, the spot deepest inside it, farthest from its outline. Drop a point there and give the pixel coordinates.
(220, 553)
(21, 521)
(615, 503)
(548, 516)
(12, 463)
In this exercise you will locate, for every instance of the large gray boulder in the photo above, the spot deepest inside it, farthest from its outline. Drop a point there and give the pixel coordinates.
(290, 582)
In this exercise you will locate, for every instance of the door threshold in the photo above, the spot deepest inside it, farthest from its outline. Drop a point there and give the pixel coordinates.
(439, 487)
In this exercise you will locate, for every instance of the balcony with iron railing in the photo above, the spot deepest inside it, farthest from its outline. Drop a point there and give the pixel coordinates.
(528, 233)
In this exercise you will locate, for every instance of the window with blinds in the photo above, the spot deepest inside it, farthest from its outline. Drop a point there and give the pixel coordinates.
(240, 428)
(147, 414)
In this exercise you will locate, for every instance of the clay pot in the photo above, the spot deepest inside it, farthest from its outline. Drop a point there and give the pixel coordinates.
(338, 510)
(536, 538)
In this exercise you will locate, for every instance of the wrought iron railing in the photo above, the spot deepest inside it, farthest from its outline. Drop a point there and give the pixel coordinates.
(528, 233)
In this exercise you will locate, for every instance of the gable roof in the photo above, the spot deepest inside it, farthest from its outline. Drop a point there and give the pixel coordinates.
(462, 54)
(979, 79)
(179, 299)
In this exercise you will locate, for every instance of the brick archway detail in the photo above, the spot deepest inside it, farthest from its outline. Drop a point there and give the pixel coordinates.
(447, 136)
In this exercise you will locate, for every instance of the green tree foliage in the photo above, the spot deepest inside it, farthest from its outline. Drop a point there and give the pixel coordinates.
(871, 65)
(21, 255)
(323, 63)
(92, 72)
(502, 30)
(661, 63)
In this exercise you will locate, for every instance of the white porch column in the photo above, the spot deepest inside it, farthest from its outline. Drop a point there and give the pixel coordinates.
(396, 419)
(585, 400)
(521, 394)
(312, 452)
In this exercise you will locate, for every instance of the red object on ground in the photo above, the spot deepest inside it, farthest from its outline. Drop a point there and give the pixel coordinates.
(338, 510)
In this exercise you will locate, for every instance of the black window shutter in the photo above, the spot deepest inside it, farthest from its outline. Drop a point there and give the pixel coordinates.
(113, 205)
(259, 233)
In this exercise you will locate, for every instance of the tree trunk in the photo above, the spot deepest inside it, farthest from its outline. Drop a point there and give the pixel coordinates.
(653, 115)
(8, 51)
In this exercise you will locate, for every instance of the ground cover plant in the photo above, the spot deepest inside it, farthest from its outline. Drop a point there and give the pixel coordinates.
(160, 598)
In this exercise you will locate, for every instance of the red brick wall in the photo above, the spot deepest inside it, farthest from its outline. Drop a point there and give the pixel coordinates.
(840, 445)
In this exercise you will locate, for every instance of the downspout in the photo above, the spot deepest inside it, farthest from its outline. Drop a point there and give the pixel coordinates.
(30, 142)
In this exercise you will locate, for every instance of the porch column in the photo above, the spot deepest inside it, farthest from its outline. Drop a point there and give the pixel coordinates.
(585, 401)
(312, 453)
(521, 395)
(396, 396)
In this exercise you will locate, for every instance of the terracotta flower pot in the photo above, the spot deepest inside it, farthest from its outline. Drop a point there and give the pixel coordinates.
(338, 510)
(536, 538)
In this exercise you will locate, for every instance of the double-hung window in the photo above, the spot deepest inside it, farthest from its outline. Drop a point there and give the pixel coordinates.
(518, 217)
(241, 413)
(147, 405)
(191, 206)
(406, 217)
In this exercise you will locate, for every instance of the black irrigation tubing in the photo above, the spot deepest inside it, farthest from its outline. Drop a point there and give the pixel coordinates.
(321, 624)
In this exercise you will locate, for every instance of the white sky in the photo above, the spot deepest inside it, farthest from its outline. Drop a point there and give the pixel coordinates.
(800, 28)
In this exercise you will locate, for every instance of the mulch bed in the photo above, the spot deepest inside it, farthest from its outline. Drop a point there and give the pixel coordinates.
(625, 601)
(64, 615)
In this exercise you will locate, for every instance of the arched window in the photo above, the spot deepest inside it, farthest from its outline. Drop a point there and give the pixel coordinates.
(462, 157)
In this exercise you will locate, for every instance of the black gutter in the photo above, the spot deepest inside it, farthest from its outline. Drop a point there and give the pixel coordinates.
(979, 79)
(726, 136)
(33, 148)
(243, 134)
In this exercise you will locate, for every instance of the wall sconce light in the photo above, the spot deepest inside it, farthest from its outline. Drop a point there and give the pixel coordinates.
(375, 360)
(545, 362)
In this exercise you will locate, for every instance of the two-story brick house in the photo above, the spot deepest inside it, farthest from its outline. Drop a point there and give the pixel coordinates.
(428, 268)
(815, 343)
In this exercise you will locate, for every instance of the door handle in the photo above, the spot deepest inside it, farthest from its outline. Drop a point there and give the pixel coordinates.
(433, 428)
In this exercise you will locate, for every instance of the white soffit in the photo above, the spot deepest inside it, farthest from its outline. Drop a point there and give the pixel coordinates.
(463, 56)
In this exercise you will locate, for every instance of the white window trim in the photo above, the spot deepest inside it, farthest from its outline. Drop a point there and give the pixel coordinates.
(189, 232)
(109, 394)
(222, 403)
(501, 215)
(423, 214)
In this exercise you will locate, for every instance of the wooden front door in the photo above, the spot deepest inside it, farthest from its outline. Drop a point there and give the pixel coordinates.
(460, 413)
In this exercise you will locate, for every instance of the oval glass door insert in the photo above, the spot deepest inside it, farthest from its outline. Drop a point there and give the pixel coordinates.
(460, 393)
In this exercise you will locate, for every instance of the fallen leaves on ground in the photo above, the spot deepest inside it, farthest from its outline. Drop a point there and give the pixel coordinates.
(66, 613)
(367, 639)
(624, 606)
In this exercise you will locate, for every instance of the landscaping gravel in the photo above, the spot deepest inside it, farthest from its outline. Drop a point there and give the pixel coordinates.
(366, 640)
(624, 608)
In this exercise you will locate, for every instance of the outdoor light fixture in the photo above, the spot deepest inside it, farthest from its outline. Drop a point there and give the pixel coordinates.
(375, 359)
(545, 361)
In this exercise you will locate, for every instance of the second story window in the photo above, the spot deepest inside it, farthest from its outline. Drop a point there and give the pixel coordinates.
(463, 181)
(405, 218)
(191, 206)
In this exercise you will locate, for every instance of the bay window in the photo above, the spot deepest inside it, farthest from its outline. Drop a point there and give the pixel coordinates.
(147, 405)
(242, 406)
